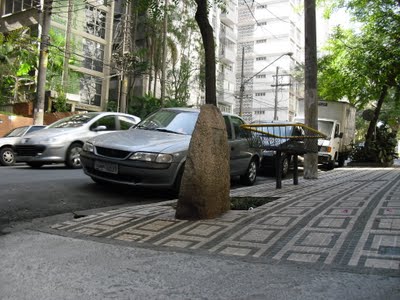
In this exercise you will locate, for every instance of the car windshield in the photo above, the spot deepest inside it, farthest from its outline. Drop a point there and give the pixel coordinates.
(16, 132)
(281, 131)
(73, 121)
(181, 122)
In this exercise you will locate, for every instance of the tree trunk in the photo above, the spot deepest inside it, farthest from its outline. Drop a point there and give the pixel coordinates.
(209, 49)
(370, 136)
(205, 188)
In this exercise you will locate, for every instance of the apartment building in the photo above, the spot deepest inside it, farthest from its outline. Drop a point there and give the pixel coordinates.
(270, 44)
(86, 26)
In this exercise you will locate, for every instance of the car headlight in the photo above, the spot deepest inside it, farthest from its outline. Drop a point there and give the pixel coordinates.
(152, 157)
(88, 147)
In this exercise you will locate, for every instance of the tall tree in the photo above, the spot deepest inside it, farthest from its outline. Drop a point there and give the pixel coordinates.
(363, 64)
(205, 187)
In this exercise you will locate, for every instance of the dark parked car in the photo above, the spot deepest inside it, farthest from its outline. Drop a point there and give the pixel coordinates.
(7, 142)
(153, 153)
(61, 141)
(280, 136)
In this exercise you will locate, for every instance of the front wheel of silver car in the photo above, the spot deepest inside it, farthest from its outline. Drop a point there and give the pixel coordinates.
(249, 178)
(73, 157)
(7, 157)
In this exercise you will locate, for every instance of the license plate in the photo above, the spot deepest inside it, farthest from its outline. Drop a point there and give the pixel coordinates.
(106, 167)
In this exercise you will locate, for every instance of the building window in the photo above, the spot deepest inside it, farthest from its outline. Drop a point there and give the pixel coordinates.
(262, 23)
(261, 58)
(262, 6)
(263, 41)
(95, 21)
(259, 112)
(90, 91)
(260, 94)
(94, 54)
(261, 76)
(12, 6)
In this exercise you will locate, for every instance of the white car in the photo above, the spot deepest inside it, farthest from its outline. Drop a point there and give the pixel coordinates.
(7, 142)
(62, 141)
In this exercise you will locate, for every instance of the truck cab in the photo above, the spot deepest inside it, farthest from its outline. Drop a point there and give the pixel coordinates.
(336, 120)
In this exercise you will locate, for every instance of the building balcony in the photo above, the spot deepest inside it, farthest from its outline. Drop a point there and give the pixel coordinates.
(227, 55)
(230, 16)
(228, 33)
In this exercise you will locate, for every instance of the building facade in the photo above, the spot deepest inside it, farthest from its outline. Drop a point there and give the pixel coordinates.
(270, 44)
(85, 29)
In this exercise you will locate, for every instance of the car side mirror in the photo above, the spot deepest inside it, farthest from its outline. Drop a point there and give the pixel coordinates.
(100, 128)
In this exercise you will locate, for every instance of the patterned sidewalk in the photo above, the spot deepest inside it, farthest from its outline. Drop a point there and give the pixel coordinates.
(348, 219)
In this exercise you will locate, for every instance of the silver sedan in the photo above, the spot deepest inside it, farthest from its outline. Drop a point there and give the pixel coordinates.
(153, 153)
(62, 141)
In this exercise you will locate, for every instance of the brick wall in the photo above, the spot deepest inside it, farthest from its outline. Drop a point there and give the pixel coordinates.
(8, 123)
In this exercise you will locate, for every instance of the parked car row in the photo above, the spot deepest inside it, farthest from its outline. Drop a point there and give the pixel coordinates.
(121, 148)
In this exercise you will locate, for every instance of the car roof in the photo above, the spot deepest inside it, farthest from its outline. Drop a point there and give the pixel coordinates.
(197, 110)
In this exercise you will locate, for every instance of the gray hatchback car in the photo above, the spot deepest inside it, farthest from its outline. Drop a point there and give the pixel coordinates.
(61, 142)
(153, 153)
(7, 142)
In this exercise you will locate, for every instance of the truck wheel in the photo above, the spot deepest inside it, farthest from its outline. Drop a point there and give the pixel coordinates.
(7, 156)
(330, 165)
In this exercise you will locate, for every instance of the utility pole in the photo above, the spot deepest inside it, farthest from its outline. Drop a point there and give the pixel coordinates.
(277, 85)
(67, 54)
(276, 95)
(241, 95)
(43, 59)
(125, 49)
(310, 99)
(164, 52)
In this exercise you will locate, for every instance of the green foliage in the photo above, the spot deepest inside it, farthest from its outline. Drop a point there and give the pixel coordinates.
(112, 106)
(363, 64)
(60, 103)
(18, 62)
(142, 106)
(381, 150)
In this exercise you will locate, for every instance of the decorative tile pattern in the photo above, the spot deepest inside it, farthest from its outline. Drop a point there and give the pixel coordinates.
(348, 218)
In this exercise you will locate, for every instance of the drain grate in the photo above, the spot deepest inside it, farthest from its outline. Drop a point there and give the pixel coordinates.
(248, 203)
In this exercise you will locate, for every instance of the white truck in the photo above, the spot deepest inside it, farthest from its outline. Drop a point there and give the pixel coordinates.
(337, 121)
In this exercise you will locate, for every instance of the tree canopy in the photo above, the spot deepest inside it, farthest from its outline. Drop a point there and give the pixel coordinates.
(363, 64)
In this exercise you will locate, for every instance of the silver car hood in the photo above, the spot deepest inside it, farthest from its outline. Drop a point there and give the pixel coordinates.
(49, 133)
(143, 140)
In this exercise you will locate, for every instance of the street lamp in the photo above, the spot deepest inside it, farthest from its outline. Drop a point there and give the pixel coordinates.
(243, 82)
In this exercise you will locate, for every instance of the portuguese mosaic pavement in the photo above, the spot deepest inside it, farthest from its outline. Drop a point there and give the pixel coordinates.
(348, 218)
